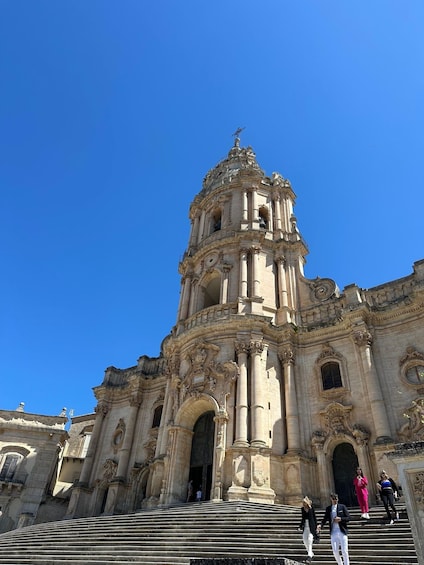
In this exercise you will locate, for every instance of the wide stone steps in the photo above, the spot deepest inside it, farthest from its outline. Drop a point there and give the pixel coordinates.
(197, 531)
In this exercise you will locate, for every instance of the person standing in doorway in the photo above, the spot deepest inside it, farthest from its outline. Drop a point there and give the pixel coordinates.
(190, 489)
(360, 483)
(337, 515)
(388, 491)
(308, 525)
(199, 494)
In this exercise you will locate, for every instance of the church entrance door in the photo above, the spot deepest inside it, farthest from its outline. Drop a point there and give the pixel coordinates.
(202, 454)
(345, 462)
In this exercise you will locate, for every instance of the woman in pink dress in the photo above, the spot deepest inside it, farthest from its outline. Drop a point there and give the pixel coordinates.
(361, 483)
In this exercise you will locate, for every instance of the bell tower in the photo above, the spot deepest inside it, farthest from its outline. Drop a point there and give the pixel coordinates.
(244, 250)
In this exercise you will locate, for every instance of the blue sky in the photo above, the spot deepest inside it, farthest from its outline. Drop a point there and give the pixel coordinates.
(112, 112)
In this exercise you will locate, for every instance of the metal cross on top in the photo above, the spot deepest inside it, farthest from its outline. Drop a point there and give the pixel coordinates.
(238, 132)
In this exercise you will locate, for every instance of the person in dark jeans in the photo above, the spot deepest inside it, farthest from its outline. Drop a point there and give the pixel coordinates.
(388, 491)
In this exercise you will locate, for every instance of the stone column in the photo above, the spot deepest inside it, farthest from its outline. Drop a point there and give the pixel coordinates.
(221, 420)
(101, 411)
(292, 414)
(244, 292)
(255, 254)
(324, 476)
(224, 283)
(201, 227)
(255, 211)
(363, 340)
(194, 231)
(242, 408)
(277, 209)
(257, 408)
(245, 212)
(193, 296)
(185, 298)
(125, 451)
(283, 316)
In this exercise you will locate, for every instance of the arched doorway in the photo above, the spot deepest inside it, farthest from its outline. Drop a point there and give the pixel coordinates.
(202, 454)
(345, 462)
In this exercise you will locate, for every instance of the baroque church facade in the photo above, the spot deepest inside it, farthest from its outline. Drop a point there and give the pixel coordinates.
(271, 385)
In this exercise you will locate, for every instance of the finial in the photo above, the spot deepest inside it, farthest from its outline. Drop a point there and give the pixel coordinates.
(63, 413)
(20, 408)
(236, 135)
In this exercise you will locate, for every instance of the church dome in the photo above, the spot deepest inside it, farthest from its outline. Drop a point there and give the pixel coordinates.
(238, 159)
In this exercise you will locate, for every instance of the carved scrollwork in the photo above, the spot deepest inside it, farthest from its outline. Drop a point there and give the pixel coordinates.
(323, 289)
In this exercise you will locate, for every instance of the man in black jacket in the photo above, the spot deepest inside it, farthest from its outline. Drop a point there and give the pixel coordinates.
(337, 515)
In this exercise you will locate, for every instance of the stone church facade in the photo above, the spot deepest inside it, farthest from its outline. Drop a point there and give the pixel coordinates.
(271, 385)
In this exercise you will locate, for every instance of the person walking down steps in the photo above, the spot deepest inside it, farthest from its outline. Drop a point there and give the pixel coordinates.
(388, 491)
(360, 483)
(308, 525)
(337, 515)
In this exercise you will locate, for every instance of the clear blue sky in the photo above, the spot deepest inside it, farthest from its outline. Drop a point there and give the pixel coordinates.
(111, 114)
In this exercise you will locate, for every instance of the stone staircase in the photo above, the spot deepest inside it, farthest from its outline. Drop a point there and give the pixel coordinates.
(179, 535)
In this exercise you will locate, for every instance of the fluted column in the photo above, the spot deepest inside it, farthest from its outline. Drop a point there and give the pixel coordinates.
(292, 413)
(125, 451)
(242, 409)
(363, 339)
(258, 405)
(101, 411)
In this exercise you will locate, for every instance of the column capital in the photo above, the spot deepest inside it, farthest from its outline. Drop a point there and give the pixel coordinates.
(241, 347)
(362, 338)
(101, 409)
(256, 346)
(287, 355)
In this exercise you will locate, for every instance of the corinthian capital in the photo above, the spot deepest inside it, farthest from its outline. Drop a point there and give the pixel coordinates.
(362, 337)
(287, 356)
(241, 347)
(256, 346)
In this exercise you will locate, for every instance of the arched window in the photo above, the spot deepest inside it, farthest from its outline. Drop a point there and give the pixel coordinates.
(211, 292)
(331, 377)
(263, 218)
(216, 221)
(157, 416)
(9, 466)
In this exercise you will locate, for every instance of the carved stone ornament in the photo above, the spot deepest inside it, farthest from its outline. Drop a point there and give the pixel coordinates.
(205, 371)
(413, 430)
(328, 352)
(238, 158)
(336, 422)
(109, 470)
(287, 356)
(150, 448)
(411, 355)
(323, 289)
(362, 338)
(418, 489)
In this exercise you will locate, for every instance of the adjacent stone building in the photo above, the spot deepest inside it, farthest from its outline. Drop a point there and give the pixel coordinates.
(271, 385)
(30, 448)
